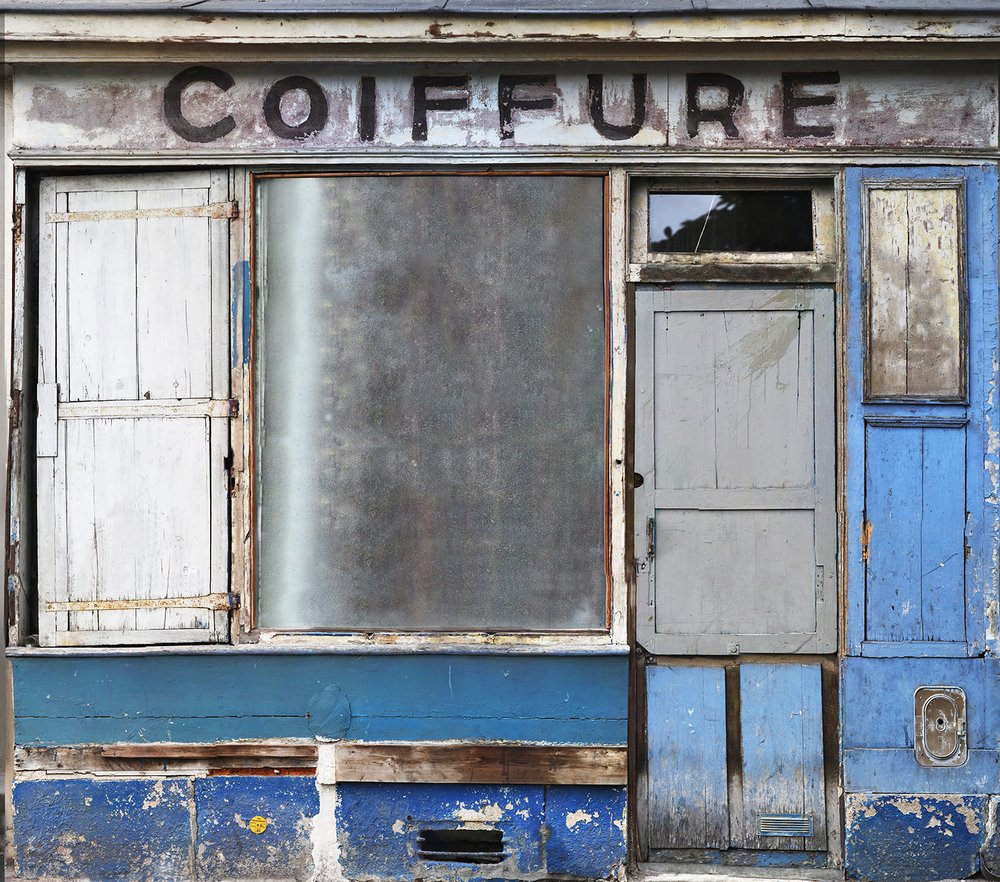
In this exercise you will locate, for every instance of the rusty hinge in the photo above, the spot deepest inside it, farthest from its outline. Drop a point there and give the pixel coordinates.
(14, 414)
(234, 601)
(234, 408)
(866, 538)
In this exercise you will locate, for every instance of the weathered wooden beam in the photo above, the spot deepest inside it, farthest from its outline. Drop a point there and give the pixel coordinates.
(210, 751)
(481, 764)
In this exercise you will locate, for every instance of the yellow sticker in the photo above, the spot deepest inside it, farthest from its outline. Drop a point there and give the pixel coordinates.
(257, 824)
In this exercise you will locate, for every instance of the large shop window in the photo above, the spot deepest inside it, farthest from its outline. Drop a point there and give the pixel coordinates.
(431, 402)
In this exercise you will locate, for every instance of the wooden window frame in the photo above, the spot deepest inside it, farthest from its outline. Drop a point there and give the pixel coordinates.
(613, 635)
(818, 265)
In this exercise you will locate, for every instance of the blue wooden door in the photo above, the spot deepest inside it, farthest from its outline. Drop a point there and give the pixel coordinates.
(921, 468)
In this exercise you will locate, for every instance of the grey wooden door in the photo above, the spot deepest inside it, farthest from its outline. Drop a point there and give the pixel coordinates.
(735, 529)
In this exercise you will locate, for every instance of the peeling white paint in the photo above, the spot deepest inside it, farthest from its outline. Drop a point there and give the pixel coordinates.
(155, 796)
(326, 846)
(579, 817)
(487, 814)
(399, 827)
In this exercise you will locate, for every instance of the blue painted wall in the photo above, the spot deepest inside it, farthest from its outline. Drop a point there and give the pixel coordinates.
(919, 610)
(180, 830)
(573, 831)
(208, 697)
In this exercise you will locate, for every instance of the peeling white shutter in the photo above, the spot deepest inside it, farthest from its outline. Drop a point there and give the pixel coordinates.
(133, 409)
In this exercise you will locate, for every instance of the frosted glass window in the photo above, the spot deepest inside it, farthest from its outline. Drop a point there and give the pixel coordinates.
(430, 403)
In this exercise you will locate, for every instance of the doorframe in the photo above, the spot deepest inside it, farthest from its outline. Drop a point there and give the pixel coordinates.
(831, 273)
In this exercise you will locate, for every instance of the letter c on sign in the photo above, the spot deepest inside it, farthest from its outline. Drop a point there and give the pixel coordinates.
(172, 104)
(318, 109)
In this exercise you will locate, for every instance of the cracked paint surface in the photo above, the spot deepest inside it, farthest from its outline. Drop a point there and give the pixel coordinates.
(913, 838)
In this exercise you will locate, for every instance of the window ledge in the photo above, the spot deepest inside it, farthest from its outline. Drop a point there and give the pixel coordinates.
(382, 644)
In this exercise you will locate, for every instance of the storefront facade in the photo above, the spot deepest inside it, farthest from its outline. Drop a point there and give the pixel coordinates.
(503, 447)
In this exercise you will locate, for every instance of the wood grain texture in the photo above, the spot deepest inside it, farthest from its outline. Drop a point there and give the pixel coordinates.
(734, 439)
(915, 481)
(686, 736)
(782, 740)
(481, 764)
(135, 504)
(915, 292)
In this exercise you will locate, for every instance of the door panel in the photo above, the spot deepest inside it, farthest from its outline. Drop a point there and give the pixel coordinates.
(915, 482)
(705, 555)
(781, 728)
(735, 527)
(686, 725)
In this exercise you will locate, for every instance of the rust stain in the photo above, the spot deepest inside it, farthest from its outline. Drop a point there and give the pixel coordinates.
(866, 538)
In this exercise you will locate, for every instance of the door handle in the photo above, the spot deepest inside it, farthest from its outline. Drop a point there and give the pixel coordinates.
(651, 537)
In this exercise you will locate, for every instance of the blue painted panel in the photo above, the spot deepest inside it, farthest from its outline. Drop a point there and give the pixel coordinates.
(586, 831)
(227, 848)
(895, 770)
(892, 495)
(956, 625)
(781, 713)
(134, 830)
(942, 535)
(97, 699)
(877, 698)
(914, 485)
(688, 801)
(912, 838)
(378, 826)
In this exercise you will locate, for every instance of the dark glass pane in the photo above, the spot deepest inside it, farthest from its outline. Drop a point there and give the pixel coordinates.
(735, 220)
(431, 400)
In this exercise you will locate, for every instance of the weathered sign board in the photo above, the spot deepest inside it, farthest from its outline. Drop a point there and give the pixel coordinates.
(329, 108)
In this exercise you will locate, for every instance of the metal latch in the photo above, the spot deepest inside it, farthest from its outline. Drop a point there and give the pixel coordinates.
(940, 733)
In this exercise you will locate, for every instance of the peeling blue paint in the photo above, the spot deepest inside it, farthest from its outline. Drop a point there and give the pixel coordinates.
(569, 831)
(136, 830)
(227, 848)
(241, 313)
(586, 830)
(908, 838)
(378, 826)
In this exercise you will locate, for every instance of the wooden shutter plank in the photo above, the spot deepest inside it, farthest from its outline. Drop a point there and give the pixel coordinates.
(219, 239)
(933, 314)
(135, 503)
(893, 458)
(888, 254)
(174, 294)
(686, 733)
(100, 294)
(781, 712)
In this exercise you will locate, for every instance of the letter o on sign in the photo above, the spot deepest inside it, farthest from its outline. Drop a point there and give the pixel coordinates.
(318, 108)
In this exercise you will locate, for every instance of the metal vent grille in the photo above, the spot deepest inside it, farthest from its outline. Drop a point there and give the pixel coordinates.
(784, 825)
(461, 846)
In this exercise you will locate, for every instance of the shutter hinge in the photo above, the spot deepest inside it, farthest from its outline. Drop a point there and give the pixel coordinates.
(234, 408)
(866, 538)
(15, 409)
(234, 601)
